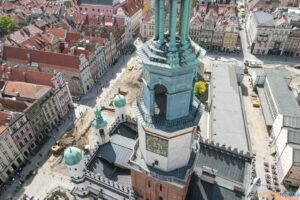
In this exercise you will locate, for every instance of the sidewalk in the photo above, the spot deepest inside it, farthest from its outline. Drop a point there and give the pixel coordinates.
(36, 161)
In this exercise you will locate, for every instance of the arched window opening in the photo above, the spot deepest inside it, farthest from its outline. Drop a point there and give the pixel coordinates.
(160, 99)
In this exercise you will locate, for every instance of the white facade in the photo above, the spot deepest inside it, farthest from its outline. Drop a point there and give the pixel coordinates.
(135, 20)
(77, 171)
(120, 112)
(179, 147)
(98, 137)
(85, 74)
(63, 96)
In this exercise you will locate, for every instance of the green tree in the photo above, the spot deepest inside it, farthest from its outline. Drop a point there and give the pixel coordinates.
(200, 88)
(7, 25)
(68, 4)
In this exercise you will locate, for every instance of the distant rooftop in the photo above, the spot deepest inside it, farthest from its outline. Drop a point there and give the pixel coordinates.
(227, 124)
(279, 84)
(26, 90)
(263, 19)
(96, 2)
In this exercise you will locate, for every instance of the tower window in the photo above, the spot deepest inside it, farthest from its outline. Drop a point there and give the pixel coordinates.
(160, 100)
(160, 198)
(149, 184)
(160, 187)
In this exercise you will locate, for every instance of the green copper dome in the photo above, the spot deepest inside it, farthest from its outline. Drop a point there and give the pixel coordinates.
(100, 122)
(72, 156)
(119, 101)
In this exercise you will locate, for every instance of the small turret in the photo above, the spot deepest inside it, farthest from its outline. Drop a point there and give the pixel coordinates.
(73, 158)
(120, 106)
(99, 134)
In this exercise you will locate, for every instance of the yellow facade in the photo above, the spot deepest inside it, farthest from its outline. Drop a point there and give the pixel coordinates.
(230, 41)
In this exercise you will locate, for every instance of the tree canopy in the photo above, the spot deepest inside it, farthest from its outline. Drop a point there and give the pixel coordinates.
(200, 88)
(6, 25)
(68, 4)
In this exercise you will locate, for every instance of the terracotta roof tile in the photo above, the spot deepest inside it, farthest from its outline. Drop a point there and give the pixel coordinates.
(23, 75)
(131, 7)
(58, 32)
(73, 36)
(49, 59)
(25, 90)
(14, 105)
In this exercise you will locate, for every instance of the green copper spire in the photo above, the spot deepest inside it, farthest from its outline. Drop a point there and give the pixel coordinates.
(99, 122)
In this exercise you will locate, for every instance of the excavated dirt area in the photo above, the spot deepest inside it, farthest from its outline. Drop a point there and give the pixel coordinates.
(128, 83)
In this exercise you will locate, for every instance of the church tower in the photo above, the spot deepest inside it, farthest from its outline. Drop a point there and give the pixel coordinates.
(166, 111)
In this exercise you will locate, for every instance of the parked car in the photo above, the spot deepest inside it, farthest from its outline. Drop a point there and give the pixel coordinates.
(252, 63)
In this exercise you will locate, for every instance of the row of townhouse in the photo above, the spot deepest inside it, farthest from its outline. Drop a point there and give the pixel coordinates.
(215, 28)
(276, 33)
(82, 58)
(212, 27)
(28, 112)
(132, 10)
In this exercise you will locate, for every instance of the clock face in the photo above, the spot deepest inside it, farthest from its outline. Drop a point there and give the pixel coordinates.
(157, 145)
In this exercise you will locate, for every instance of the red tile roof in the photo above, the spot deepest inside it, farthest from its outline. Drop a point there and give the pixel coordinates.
(73, 36)
(95, 39)
(23, 75)
(6, 5)
(44, 59)
(131, 7)
(77, 52)
(14, 105)
(58, 32)
(25, 90)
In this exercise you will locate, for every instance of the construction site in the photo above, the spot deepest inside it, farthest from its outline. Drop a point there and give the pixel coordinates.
(127, 83)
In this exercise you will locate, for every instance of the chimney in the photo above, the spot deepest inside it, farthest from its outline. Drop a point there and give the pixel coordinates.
(72, 50)
(29, 58)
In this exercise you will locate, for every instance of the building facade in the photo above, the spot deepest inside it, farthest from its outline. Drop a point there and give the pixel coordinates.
(10, 156)
(22, 133)
(273, 33)
(75, 69)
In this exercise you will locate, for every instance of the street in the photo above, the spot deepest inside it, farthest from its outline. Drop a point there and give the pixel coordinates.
(38, 159)
(32, 174)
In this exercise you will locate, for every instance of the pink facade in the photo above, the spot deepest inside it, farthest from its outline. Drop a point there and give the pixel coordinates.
(97, 10)
(23, 135)
(62, 94)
